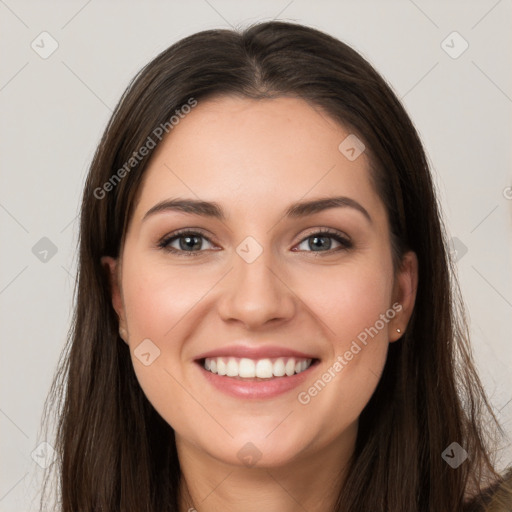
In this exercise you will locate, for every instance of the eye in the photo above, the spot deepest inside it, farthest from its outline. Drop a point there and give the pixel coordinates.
(189, 243)
(323, 240)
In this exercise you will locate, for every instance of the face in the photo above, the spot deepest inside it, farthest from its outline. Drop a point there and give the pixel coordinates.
(260, 330)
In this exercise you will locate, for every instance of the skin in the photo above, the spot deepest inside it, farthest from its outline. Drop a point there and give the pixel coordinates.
(255, 158)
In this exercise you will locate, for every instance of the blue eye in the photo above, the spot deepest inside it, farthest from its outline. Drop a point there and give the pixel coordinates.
(317, 240)
(190, 242)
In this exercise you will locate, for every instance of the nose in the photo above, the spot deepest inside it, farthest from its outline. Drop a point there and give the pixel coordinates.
(256, 293)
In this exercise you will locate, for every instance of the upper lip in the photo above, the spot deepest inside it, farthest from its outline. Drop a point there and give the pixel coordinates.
(260, 352)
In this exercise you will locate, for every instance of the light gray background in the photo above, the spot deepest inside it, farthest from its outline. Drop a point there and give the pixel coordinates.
(54, 110)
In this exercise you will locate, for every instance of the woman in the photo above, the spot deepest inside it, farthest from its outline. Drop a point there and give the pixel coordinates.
(215, 363)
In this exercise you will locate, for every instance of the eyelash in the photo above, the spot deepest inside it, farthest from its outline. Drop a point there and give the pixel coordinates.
(164, 243)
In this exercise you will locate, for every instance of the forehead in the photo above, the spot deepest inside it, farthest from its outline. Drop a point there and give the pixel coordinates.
(255, 154)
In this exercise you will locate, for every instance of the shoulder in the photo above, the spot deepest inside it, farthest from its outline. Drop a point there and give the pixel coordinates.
(497, 498)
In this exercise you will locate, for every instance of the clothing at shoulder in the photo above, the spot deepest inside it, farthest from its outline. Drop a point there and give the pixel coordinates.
(497, 498)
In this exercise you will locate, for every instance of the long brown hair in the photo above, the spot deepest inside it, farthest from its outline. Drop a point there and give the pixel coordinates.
(115, 452)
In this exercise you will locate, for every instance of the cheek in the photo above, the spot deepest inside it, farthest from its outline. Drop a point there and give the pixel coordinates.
(350, 299)
(353, 303)
(159, 303)
(158, 297)
(154, 308)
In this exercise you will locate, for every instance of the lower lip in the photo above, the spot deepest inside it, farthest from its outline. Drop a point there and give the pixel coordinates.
(267, 388)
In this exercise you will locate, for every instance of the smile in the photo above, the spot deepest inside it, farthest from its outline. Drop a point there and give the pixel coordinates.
(245, 368)
(259, 379)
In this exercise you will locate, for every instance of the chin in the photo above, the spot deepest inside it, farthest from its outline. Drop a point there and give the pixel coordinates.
(254, 449)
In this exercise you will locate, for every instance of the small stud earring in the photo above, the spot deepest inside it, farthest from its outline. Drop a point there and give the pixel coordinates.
(398, 330)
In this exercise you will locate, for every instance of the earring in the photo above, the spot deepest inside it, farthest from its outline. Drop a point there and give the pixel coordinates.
(398, 330)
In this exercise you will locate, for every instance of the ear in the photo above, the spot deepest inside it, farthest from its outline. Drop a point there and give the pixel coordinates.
(113, 270)
(404, 294)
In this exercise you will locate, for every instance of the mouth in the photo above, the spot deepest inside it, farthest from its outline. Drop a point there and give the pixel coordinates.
(264, 378)
(259, 369)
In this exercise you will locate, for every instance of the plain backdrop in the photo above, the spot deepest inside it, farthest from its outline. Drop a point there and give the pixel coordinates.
(54, 109)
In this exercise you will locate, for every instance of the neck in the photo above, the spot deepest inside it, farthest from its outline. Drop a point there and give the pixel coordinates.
(310, 482)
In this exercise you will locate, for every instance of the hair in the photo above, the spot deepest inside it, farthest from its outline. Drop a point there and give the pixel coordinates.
(115, 452)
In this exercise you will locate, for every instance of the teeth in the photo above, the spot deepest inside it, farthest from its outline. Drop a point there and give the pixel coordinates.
(261, 368)
(246, 368)
(290, 367)
(264, 369)
(232, 368)
(278, 368)
(221, 366)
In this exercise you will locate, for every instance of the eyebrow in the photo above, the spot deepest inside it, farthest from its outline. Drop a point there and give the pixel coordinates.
(295, 210)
